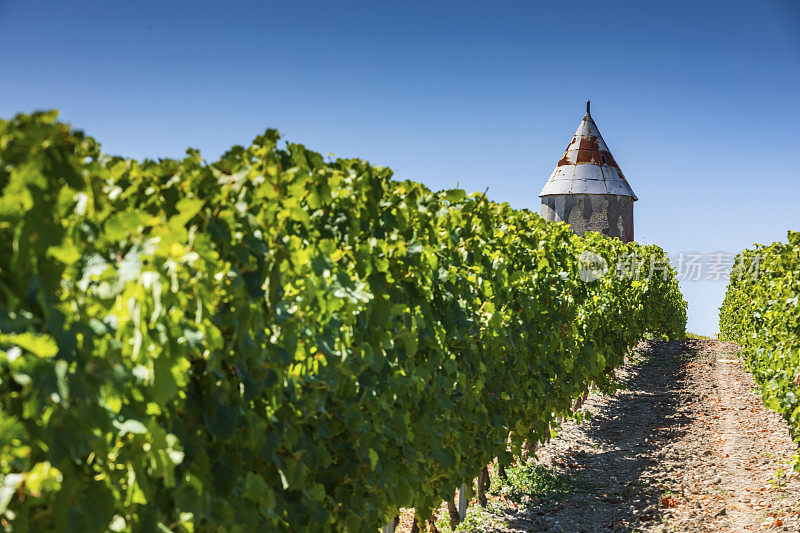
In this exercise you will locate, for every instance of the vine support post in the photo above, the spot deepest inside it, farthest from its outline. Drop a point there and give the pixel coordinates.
(391, 526)
(462, 501)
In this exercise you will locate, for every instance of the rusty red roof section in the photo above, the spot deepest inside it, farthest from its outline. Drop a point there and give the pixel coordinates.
(587, 166)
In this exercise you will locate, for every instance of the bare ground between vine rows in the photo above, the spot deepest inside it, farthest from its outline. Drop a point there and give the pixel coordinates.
(686, 445)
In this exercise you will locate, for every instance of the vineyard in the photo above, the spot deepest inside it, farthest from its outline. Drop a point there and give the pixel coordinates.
(279, 341)
(761, 312)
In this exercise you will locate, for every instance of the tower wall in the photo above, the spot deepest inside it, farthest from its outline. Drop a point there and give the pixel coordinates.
(608, 214)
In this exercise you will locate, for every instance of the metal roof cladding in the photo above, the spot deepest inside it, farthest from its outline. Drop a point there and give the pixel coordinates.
(587, 166)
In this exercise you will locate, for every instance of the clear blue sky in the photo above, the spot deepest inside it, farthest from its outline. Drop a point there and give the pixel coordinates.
(698, 101)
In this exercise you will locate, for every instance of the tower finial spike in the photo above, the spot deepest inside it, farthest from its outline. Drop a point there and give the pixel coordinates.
(587, 106)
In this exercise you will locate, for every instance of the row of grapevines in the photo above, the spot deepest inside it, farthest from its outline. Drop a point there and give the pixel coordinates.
(277, 341)
(761, 312)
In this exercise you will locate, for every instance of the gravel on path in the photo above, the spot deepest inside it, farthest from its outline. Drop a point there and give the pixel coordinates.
(685, 445)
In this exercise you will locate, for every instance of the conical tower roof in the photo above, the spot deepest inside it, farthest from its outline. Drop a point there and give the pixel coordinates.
(587, 166)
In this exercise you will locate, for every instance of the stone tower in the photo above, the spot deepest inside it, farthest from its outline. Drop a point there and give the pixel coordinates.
(587, 189)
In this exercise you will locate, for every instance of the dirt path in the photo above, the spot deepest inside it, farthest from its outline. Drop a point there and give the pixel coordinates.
(687, 445)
